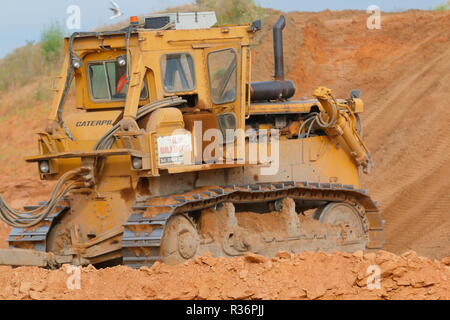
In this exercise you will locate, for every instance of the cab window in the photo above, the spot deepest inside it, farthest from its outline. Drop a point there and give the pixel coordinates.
(222, 66)
(178, 72)
(108, 81)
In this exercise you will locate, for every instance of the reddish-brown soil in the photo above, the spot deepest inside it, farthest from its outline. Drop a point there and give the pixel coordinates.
(301, 276)
(403, 71)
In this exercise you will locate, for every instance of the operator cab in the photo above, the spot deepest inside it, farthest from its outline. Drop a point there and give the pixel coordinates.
(108, 80)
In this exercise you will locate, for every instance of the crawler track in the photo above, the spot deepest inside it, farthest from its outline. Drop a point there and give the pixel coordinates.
(35, 237)
(145, 227)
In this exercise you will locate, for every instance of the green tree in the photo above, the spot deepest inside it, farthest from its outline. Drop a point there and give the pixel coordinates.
(52, 41)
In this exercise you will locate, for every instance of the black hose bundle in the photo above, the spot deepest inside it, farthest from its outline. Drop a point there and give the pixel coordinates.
(66, 183)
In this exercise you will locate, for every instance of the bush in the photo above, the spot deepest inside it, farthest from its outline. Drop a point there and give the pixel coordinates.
(233, 11)
(52, 41)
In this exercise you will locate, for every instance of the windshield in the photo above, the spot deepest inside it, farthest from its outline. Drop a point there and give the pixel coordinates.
(108, 81)
(223, 76)
(178, 71)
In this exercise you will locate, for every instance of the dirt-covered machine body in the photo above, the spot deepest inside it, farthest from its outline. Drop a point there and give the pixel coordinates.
(174, 152)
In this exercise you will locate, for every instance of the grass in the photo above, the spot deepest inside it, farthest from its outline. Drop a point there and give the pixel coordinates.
(21, 67)
(52, 42)
(26, 64)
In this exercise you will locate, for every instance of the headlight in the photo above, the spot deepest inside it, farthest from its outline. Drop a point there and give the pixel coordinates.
(122, 61)
(44, 166)
(136, 163)
(76, 63)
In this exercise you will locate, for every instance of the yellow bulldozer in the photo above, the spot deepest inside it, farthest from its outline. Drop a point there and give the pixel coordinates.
(172, 151)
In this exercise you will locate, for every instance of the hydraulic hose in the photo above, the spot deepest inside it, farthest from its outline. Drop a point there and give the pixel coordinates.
(20, 219)
(311, 118)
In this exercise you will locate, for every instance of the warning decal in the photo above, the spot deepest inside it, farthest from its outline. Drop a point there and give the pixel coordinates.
(172, 149)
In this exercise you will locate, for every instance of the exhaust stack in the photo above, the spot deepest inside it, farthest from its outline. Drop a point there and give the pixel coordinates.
(278, 47)
(278, 89)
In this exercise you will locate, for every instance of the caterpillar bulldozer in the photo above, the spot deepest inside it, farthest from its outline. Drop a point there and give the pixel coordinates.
(172, 151)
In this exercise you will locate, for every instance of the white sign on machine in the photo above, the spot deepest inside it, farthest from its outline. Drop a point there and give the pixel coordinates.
(174, 149)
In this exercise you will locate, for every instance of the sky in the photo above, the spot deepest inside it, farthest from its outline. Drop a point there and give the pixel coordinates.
(23, 20)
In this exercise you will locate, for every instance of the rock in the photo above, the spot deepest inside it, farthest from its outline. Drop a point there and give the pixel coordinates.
(239, 293)
(409, 254)
(209, 260)
(283, 255)
(260, 294)
(383, 256)
(358, 254)
(388, 267)
(403, 281)
(203, 292)
(35, 295)
(24, 287)
(268, 265)
(371, 256)
(149, 291)
(389, 285)
(255, 258)
(89, 268)
(156, 267)
(446, 261)
(315, 292)
(243, 274)
(400, 271)
(146, 270)
(293, 293)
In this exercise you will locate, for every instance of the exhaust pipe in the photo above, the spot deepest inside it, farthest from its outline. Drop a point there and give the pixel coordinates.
(279, 89)
(278, 47)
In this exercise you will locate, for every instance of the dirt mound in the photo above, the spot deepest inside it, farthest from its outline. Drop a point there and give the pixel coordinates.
(301, 276)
